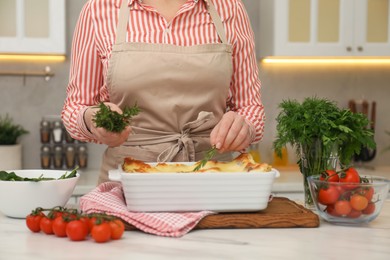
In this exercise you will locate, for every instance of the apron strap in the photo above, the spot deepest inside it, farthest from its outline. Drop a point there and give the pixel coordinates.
(124, 18)
(216, 20)
(121, 30)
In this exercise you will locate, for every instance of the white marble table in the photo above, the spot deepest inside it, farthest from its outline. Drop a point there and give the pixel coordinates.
(328, 241)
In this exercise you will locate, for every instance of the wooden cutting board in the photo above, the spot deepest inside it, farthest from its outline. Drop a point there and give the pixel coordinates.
(280, 213)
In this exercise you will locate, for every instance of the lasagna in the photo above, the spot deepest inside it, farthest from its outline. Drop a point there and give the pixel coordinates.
(242, 163)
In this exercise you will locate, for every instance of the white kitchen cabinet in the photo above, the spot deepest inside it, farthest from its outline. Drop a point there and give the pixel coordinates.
(372, 27)
(32, 27)
(324, 28)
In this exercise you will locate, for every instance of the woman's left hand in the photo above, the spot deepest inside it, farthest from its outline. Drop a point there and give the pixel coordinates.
(232, 133)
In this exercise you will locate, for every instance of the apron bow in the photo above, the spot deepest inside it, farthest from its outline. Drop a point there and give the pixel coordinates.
(185, 144)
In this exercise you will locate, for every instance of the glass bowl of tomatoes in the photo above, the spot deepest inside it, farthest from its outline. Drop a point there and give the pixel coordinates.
(345, 197)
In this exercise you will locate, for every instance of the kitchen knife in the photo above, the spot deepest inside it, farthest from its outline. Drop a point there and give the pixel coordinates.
(373, 115)
(365, 108)
(352, 106)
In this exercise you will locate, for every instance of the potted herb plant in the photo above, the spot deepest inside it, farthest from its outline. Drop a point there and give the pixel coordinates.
(10, 149)
(322, 134)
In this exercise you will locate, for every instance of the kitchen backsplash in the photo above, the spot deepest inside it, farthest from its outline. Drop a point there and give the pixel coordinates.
(29, 99)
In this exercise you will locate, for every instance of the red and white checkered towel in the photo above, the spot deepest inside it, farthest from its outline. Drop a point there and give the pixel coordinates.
(108, 198)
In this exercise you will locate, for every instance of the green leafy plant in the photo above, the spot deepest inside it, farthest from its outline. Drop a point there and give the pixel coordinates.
(113, 121)
(320, 119)
(10, 132)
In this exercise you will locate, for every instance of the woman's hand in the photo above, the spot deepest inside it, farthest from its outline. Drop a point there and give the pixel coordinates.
(102, 135)
(232, 133)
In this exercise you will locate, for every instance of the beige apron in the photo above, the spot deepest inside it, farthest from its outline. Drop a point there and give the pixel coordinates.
(181, 91)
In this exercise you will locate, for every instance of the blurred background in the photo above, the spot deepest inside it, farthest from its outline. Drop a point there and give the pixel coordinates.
(299, 29)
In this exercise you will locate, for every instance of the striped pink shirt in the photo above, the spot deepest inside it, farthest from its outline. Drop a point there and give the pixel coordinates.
(94, 36)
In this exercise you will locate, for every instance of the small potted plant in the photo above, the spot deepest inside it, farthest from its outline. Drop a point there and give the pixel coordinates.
(322, 134)
(10, 149)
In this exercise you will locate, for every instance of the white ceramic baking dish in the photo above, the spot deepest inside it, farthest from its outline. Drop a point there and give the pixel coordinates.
(214, 191)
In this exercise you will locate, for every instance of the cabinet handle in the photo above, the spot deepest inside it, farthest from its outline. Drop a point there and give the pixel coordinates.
(349, 48)
(360, 48)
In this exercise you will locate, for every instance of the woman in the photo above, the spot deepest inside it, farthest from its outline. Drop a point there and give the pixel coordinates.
(190, 67)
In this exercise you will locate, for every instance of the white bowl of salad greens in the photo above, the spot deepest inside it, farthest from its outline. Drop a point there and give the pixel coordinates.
(22, 191)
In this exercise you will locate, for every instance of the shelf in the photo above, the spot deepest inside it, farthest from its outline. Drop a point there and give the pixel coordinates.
(46, 73)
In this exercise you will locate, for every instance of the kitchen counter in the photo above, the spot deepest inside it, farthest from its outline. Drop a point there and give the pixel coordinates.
(371, 241)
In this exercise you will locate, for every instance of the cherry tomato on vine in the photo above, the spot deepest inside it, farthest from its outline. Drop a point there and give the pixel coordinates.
(350, 175)
(341, 189)
(328, 195)
(330, 176)
(117, 229)
(331, 210)
(91, 223)
(33, 221)
(354, 213)
(367, 192)
(85, 220)
(342, 207)
(358, 202)
(76, 230)
(101, 232)
(72, 216)
(369, 209)
(55, 213)
(59, 227)
(46, 225)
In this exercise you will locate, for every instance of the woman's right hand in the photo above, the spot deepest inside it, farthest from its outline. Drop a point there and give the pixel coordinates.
(111, 139)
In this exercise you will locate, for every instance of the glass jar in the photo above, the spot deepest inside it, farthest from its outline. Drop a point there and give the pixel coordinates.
(315, 158)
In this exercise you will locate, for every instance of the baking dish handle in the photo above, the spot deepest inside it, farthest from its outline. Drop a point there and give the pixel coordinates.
(114, 175)
(277, 173)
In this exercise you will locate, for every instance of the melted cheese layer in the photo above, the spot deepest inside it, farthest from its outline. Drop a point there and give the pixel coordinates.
(242, 163)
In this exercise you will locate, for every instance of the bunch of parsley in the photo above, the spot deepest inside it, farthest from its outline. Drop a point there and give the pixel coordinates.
(113, 121)
(299, 124)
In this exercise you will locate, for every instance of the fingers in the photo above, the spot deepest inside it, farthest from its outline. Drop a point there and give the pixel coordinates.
(111, 139)
(241, 140)
(232, 133)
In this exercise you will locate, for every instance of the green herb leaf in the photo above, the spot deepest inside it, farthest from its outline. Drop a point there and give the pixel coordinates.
(72, 174)
(207, 157)
(5, 176)
(113, 121)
